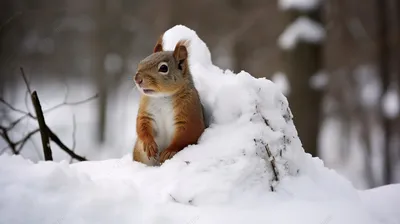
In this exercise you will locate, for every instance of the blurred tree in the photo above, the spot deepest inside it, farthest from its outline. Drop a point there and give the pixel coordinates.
(300, 64)
(110, 51)
(384, 54)
(100, 46)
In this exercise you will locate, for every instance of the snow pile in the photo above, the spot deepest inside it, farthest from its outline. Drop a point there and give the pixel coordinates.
(227, 177)
(301, 30)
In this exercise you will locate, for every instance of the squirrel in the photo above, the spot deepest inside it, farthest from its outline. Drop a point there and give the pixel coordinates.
(170, 115)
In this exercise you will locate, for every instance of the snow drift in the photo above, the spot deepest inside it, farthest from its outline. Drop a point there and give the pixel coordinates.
(248, 167)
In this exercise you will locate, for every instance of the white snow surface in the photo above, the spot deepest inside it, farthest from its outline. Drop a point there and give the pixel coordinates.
(301, 5)
(225, 178)
(301, 30)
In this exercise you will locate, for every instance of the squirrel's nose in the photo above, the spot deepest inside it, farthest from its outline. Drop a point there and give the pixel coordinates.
(138, 79)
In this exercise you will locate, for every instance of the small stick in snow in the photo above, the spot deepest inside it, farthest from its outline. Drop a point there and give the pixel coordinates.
(48, 155)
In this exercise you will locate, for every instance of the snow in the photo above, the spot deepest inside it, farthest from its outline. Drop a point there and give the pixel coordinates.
(301, 5)
(282, 82)
(370, 88)
(319, 81)
(301, 30)
(384, 202)
(226, 178)
(391, 102)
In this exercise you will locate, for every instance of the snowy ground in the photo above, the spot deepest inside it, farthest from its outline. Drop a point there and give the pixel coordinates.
(226, 178)
(119, 191)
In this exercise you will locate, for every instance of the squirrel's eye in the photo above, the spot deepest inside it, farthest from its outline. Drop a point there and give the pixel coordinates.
(163, 68)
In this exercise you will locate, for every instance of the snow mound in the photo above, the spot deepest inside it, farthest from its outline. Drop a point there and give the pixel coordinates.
(248, 166)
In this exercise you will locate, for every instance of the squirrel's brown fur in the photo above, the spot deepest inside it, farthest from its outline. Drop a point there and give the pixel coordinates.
(170, 115)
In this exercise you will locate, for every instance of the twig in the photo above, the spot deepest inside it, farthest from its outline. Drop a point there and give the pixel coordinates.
(14, 123)
(73, 132)
(7, 138)
(57, 140)
(71, 103)
(48, 155)
(42, 126)
(26, 81)
(15, 109)
(45, 131)
(13, 145)
(73, 136)
(271, 158)
(22, 142)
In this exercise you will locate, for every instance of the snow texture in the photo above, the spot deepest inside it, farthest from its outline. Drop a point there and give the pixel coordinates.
(301, 30)
(226, 178)
(301, 5)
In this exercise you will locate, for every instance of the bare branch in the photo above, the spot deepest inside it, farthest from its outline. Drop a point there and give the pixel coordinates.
(73, 132)
(71, 103)
(57, 140)
(7, 138)
(45, 131)
(48, 155)
(14, 123)
(73, 136)
(11, 107)
(22, 142)
(271, 160)
(26, 81)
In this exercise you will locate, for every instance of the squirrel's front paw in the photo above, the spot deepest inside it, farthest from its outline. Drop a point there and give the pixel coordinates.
(166, 154)
(151, 148)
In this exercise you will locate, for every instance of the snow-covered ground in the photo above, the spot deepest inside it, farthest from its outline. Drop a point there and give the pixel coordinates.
(226, 178)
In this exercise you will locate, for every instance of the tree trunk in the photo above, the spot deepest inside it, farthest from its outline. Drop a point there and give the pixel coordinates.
(100, 45)
(300, 64)
(384, 64)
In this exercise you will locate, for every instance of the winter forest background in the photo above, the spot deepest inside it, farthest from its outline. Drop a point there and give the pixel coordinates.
(338, 63)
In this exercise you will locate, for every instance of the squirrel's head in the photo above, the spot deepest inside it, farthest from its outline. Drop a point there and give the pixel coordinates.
(163, 73)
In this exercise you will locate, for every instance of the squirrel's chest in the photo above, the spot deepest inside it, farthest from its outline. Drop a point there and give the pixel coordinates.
(163, 114)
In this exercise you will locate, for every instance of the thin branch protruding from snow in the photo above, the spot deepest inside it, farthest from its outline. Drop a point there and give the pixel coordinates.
(44, 133)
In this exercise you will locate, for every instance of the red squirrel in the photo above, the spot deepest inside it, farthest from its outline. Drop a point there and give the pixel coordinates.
(170, 115)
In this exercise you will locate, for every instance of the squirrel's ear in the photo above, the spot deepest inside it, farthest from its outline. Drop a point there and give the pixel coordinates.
(159, 44)
(180, 52)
